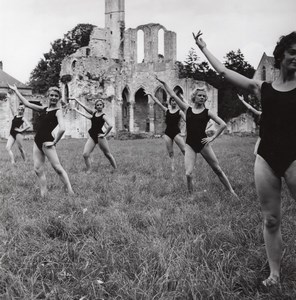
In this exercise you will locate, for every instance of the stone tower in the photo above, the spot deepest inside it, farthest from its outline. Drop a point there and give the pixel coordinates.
(115, 25)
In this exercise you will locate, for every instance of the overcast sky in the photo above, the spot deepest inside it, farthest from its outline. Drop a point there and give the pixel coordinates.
(27, 27)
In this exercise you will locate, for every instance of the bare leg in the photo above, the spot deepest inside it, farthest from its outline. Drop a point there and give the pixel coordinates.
(190, 158)
(19, 141)
(209, 155)
(103, 144)
(268, 187)
(88, 149)
(39, 162)
(169, 145)
(180, 142)
(53, 158)
(10, 142)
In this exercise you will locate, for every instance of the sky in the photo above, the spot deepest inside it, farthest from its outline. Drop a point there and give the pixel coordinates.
(28, 27)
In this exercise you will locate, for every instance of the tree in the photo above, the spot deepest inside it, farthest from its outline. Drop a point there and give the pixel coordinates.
(47, 72)
(228, 104)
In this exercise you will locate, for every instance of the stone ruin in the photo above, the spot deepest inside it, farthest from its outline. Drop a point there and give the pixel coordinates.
(119, 65)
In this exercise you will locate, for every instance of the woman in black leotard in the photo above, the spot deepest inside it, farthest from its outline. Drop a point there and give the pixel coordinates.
(197, 118)
(19, 124)
(44, 142)
(276, 155)
(96, 133)
(172, 131)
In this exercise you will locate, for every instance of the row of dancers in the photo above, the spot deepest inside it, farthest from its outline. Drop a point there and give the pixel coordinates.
(275, 156)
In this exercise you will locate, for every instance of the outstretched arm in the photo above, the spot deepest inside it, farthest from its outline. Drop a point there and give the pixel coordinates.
(108, 127)
(24, 100)
(89, 110)
(156, 101)
(25, 126)
(248, 106)
(231, 76)
(179, 101)
(81, 113)
(221, 127)
(183, 116)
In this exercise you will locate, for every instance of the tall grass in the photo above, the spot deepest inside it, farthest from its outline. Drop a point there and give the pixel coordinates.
(134, 233)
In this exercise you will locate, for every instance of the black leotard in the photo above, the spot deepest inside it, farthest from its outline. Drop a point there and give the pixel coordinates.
(47, 122)
(196, 125)
(17, 122)
(97, 124)
(278, 128)
(172, 121)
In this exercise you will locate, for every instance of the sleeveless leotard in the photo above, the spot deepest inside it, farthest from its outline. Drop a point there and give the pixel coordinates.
(17, 122)
(47, 122)
(196, 125)
(278, 128)
(97, 124)
(172, 121)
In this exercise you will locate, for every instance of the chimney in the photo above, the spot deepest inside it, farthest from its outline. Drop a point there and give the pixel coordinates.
(1, 65)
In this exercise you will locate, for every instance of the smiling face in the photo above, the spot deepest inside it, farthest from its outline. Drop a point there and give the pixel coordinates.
(54, 97)
(99, 105)
(289, 59)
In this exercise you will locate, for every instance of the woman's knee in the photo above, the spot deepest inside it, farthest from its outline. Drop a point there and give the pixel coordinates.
(39, 170)
(85, 155)
(272, 222)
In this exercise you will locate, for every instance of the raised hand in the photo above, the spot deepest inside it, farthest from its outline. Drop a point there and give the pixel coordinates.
(156, 77)
(12, 87)
(198, 40)
(240, 97)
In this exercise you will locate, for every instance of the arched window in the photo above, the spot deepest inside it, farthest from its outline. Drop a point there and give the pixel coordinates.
(263, 77)
(73, 65)
(161, 43)
(140, 46)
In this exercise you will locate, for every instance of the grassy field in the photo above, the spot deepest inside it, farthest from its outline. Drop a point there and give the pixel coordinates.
(134, 233)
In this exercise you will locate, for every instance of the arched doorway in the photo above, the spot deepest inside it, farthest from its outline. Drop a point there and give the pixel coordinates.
(159, 115)
(141, 112)
(125, 109)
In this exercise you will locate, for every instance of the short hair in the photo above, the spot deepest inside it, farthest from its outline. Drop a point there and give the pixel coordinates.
(100, 100)
(196, 91)
(284, 43)
(54, 89)
(170, 100)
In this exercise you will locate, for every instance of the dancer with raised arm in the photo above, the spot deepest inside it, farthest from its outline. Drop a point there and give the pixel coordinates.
(276, 155)
(44, 143)
(96, 134)
(255, 112)
(19, 125)
(197, 118)
(172, 131)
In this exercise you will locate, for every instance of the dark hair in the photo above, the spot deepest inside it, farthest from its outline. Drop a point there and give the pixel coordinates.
(170, 100)
(284, 43)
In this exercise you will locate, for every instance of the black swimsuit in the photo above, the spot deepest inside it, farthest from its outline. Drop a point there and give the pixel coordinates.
(196, 126)
(17, 122)
(172, 121)
(97, 124)
(47, 122)
(278, 128)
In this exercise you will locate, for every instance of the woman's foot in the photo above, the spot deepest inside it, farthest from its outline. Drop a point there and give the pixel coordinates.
(271, 281)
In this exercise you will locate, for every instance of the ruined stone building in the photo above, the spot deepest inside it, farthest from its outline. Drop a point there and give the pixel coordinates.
(266, 70)
(6, 98)
(119, 64)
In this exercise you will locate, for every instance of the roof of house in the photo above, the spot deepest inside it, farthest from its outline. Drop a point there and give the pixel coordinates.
(7, 79)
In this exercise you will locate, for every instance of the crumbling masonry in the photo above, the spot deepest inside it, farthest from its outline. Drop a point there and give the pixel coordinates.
(109, 66)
